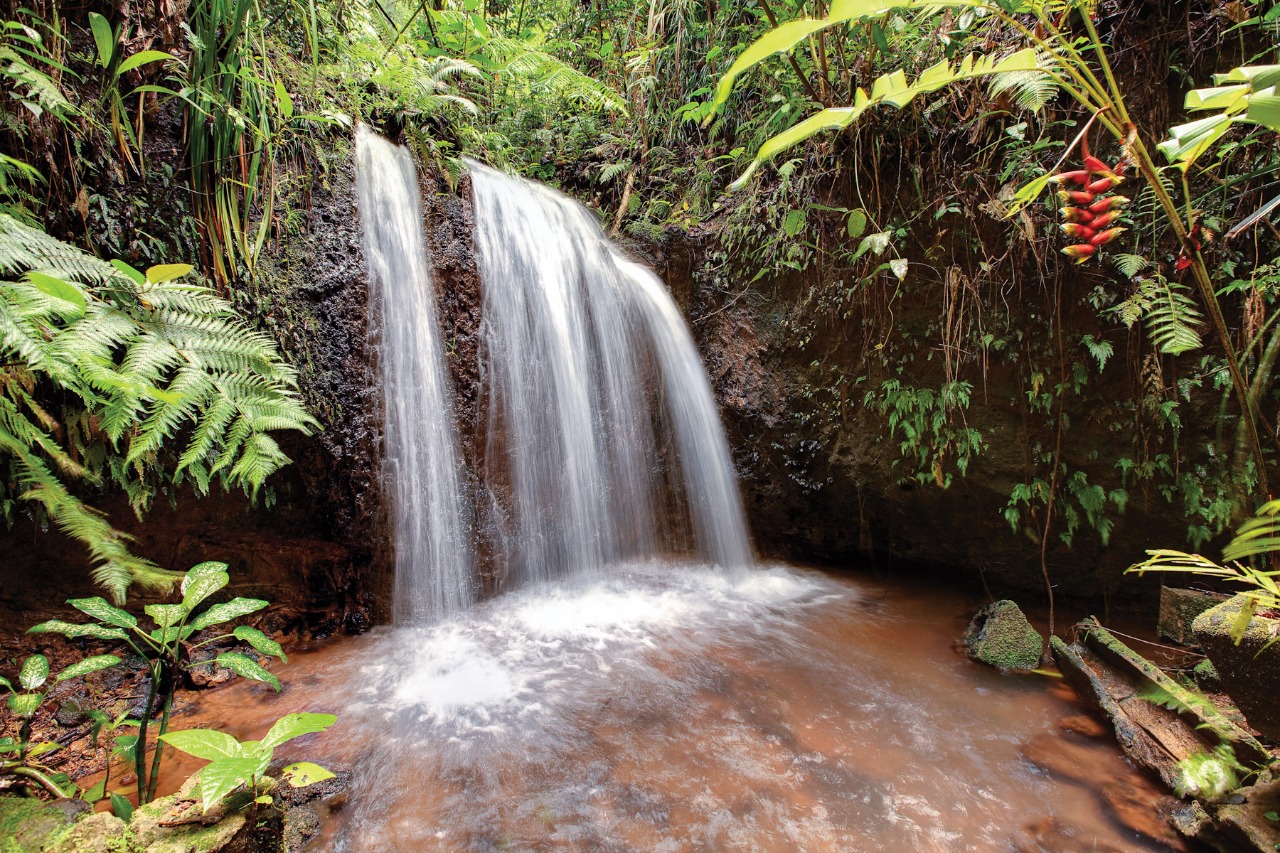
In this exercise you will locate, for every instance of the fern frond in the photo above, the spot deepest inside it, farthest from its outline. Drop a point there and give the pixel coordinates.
(144, 363)
(1032, 90)
(541, 70)
(1173, 319)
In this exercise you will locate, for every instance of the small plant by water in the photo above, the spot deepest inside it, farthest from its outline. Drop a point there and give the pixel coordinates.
(169, 649)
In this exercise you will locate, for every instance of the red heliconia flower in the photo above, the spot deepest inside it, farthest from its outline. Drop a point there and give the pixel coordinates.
(1100, 222)
(1075, 214)
(1102, 238)
(1102, 205)
(1103, 184)
(1076, 231)
(1099, 168)
(1080, 253)
(1079, 176)
(1075, 197)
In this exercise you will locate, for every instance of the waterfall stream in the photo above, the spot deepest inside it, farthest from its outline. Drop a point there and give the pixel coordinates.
(421, 459)
(591, 373)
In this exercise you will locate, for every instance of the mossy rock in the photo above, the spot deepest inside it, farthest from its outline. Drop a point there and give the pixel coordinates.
(1000, 635)
(33, 826)
(1250, 670)
(101, 832)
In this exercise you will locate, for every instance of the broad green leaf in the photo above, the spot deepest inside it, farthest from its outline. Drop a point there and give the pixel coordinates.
(88, 665)
(1219, 98)
(72, 629)
(43, 748)
(892, 89)
(196, 589)
(58, 289)
(6, 684)
(793, 222)
(898, 266)
(233, 609)
(300, 774)
(208, 567)
(121, 806)
(778, 40)
(1264, 110)
(8, 744)
(97, 792)
(291, 726)
(876, 243)
(130, 272)
(35, 671)
(204, 743)
(1028, 193)
(221, 777)
(1192, 139)
(247, 667)
(142, 57)
(168, 272)
(24, 705)
(103, 37)
(284, 101)
(1258, 77)
(166, 615)
(856, 224)
(834, 118)
(260, 641)
(126, 747)
(99, 609)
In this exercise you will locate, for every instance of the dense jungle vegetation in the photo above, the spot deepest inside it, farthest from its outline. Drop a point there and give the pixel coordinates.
(1063, 213)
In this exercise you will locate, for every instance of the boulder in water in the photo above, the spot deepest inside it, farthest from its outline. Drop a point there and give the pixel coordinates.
(1001, 636)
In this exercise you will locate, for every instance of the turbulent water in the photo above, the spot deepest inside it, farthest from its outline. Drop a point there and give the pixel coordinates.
(671, 707)
(421, 460)
(603, 438)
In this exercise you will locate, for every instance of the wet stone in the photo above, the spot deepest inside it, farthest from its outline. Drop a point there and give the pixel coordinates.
(1179, 608)
(1001, 636)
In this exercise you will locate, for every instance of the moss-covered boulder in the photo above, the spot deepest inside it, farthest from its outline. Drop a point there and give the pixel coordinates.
(1250, 671)
(36, 826)
(1000, 635)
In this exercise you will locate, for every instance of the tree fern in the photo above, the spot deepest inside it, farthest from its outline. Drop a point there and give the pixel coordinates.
(160, 372)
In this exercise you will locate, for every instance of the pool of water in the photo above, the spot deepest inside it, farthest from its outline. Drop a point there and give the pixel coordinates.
(672, 707)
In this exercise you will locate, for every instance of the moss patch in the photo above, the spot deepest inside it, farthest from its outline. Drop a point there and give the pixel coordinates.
(1001, 636)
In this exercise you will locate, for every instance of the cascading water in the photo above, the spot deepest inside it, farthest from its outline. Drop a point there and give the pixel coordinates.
(421, 461)
(579, 344)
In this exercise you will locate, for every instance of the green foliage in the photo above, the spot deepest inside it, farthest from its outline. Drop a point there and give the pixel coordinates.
(1244, 95)
(20, 759)
(235, 763)
(169, 646)
(150, 362)
(926, 421)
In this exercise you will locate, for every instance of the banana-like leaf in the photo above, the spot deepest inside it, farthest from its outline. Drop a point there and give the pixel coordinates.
(892, 89)
(785, 37)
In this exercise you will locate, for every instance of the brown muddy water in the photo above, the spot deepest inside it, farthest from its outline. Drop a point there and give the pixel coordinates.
(670, 707)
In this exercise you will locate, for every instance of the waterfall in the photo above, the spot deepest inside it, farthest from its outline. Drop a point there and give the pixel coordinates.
(603, 440)
(421, 457)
